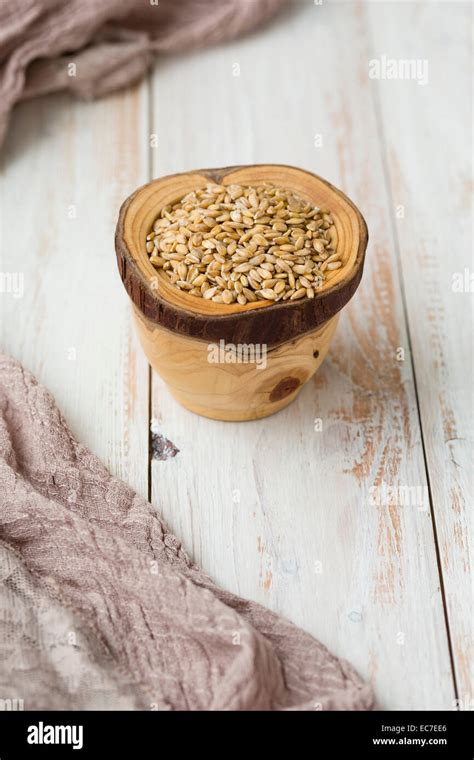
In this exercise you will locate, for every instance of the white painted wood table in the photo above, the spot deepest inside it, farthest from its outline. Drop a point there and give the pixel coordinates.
(277, 510)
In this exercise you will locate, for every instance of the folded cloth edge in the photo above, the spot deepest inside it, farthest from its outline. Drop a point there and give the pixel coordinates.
(57, 497)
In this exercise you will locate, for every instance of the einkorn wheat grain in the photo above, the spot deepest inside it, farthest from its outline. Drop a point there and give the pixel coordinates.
(242, 244)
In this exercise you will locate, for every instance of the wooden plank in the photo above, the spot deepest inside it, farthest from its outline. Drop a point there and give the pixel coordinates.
(67, 166)
(273, 509)
(428, 153)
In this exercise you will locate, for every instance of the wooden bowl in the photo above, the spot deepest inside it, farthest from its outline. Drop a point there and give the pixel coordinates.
(182, 334)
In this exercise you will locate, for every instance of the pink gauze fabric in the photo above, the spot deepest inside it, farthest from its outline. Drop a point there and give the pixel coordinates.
(111, 43)
(100, 607)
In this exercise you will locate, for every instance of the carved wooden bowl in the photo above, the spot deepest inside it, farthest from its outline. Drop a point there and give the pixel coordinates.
(184, 336)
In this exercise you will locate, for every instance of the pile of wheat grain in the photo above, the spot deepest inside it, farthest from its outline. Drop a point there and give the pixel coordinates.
(242, 244)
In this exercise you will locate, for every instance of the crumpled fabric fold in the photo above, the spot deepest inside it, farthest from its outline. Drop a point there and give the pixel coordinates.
(92, 47)
(101, 607)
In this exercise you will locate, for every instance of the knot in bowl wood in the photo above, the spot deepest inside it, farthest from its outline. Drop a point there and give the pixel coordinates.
(176, 328)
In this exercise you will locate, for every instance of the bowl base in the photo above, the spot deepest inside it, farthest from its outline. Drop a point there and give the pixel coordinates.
(234, 415)
(233, 382)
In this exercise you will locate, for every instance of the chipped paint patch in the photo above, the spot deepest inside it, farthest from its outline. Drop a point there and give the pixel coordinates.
(265, 575)
(161, 448)
(267, 582)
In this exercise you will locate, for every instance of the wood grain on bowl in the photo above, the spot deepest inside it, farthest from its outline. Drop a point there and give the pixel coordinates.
(233, 391)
